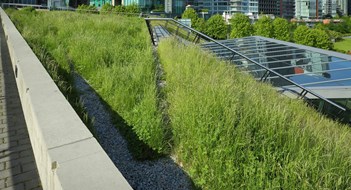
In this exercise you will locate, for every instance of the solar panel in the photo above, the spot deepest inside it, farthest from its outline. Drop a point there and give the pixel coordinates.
(299, 64)
(322, 78)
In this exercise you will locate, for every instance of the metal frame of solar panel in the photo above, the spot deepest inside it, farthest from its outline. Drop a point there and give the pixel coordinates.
(295, 70)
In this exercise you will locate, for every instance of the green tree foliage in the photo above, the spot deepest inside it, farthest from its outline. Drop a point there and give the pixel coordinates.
(343, 27)
(134, 8)
(196, 22)
(264, 27)
(28, 9)
(190, 13)
(241, 26)
(216, 27)
(303, 35)
(86, 9)
(312, 37)
(119, 9)
(322, 39)
(336, 36)
(106, 8)
(200, 25)
(281, 29)
(320, 26)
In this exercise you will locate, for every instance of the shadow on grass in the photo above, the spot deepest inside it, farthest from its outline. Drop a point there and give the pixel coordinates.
(139, 149)
(140, 165)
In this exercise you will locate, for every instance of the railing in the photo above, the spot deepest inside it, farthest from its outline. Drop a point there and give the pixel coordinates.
(194, 36)
(19, 5)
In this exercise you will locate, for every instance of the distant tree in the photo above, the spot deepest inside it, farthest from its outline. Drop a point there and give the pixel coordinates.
(303, 35)
(322, 39)
(200, 25)
(216, 27)
(119, 9)
(264, 27)
(106, 8)
(133, 8)
(336, 36)
(196, 22)
(281, 29)
(190, 13)
(312, 37)
(86, 9)
(343, 27)
(320, 26)
(241, 26)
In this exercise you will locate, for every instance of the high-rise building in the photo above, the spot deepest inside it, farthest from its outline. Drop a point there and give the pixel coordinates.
(287, 8)
(269, 7)
(281, 8)
(228, 6)
(140, 3)
(308, 9)
(253, 7)
(213, 6)
(329, 8)
(342, 7)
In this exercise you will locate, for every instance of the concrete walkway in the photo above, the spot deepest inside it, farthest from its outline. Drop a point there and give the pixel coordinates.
(18, 170)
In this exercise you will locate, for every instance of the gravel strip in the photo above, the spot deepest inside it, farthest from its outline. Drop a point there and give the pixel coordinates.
(163, 173)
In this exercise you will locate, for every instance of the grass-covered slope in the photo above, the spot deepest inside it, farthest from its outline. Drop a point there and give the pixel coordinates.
(231, 132)
(113, 53)
(343, 45)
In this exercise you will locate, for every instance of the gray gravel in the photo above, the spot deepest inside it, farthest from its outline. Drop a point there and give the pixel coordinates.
(163, 173)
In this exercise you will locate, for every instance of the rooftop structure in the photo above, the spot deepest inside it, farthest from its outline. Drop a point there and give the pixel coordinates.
(322, 78)
(324, 72)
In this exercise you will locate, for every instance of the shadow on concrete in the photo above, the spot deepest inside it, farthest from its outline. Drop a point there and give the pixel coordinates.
(20, 170)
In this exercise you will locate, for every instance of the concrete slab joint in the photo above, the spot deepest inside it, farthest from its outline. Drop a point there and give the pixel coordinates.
(66, 153)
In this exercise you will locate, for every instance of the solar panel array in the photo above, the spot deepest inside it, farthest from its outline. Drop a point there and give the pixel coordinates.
(322, 78)
(305, 67)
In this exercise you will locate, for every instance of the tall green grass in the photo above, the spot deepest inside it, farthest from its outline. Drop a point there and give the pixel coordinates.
(231, 132)
(113, 53)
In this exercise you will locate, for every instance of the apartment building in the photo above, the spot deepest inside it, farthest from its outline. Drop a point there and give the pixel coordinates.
(329, 7)
(281, 8)
(308, 9)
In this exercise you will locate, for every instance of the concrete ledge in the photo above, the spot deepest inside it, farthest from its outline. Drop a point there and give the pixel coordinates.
(66, 153)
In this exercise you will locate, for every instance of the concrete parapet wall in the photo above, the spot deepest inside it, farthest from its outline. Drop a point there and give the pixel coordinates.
(66, 153)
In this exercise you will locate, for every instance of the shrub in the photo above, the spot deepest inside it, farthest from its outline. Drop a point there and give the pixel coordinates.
(28, 9)
(86, 9)
(106, 8)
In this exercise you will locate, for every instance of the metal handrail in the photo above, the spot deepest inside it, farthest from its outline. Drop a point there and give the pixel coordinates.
(268, 70)
(24, 5)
